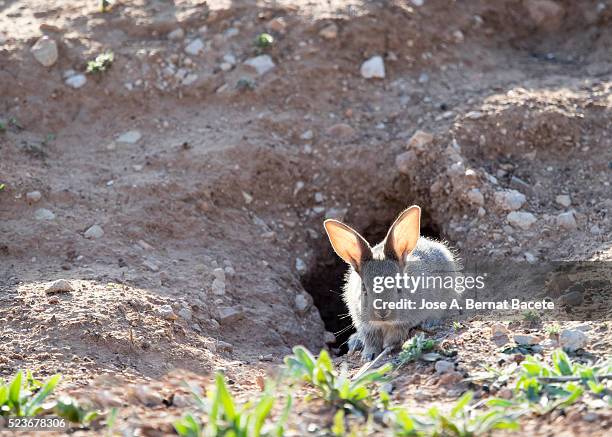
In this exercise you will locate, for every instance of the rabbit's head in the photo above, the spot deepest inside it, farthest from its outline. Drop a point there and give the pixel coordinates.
(378, 269)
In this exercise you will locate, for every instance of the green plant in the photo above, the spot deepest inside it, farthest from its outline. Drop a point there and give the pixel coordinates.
(2, 187)
(105, 5)
(553, 330)
(2, 126)
(101, 63)
(414, 349)
(531, 316)
(335, 388)
(462, 420)
(264, 41)
(226, 418)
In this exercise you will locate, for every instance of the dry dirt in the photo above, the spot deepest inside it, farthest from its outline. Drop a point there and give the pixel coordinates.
(236, 171)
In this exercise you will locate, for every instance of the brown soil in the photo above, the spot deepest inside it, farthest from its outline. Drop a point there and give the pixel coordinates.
(224, 176)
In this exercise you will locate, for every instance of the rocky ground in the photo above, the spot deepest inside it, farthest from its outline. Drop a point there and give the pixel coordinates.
(180, 191)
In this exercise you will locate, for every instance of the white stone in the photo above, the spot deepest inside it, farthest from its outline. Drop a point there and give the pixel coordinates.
(166, 312)
(218, 287)
(94, 232)
(176, 34)
(76, 81)
(45, 51)
(194, 47)
(418, 2)
(262, 64)
(509, 200)
(444, 366)
(473, 115)
(229, 58)
(33, 196)
(564, 200)
(573, 339)
(475, 197)
(129, 137)
(43, 214)
(300, 265)
(373, 68)
(566, 220)
(59, 286)
(308, 135)
(189, 79)
(229, 314)
(522, 220)
(329, 32)
(301, 303)
(318, 197)
(530, 257)
(225, 66)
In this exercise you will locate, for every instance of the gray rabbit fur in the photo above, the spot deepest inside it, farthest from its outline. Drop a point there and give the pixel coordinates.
(403, 251)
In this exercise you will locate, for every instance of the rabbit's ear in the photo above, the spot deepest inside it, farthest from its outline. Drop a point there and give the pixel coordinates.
(348, 244)
(403, 235)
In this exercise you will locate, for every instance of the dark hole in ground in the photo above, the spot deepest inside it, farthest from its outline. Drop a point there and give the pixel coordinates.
(324, 282)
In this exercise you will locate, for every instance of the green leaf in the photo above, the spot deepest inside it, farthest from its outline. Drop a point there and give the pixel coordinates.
(14, 392)
(562, 362)
(462, 403)
(225, 398)
(35, 404)
(338, 428)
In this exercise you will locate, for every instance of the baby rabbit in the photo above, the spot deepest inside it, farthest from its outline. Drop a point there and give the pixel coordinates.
(403, 251)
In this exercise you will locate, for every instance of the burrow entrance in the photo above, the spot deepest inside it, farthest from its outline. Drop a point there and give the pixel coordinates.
(324, 282)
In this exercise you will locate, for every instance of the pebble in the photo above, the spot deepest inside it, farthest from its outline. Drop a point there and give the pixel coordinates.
(567, 221)
(336, 213)
(573, 339)
(564, 200)
(444, 366)
(189, 79)
(185, 314)
(262, 64)
(475, 196)
(33, 196)
(59, 286)
(329, 32)
(373, 68)
(94, 232)
(145, 395)
(546, 14)
(420, 141)
(509, 200)
(229, 59)
(43, 214)
(498, 330)
(341, 130)
(473, 115)
(595, 230)
(129, 137)
(76, 81)
(300, 265)
(229, 314)
(307, 136)
(176, 34)
(423, 78)
(523, 339)
(166, 312)
(45, 51)
(218, 287)
(530, 257)
(450, 378)
(329, 337)
(277, 24)
(151, 265)
(522, 220)
(318, 197)
(301, 303)
(406, 162)
(194, 47)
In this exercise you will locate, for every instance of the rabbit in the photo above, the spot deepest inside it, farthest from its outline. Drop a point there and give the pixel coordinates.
(402, 251)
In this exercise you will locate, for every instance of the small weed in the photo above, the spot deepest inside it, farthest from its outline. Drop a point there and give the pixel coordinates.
(101, 63)
(335, 388)
(2, 187)
(414, 349)
(225, 417)
(553, 330)
(105, 5)
(264, 41)
(531, 316)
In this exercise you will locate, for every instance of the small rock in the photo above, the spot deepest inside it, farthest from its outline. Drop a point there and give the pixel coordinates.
(59, 286)
(481, 212)
(498, 330)
(373, 68)
(475, 196)
(341, 130)
(185, 314)
(564, 200)
(406, 162)
(224, 346)
(145, 395)
(329, 32)
(218, 287)
(194, 47)
(301, 303)
(33, 196)
(505, 393)
(166, 312)
(473, 115)
(523, 339)
(76, 81)
(546, 14)
(444, 366)
(247, 197)
(509, 200)
(262, 64)
(590, 417)
(329, 337)
(45, 51)
(449, 378)
(530, 257)
(573, 298)
(229, 314)
(277, 24)
(189, 79)
(522, 220)
(420, 141)
(573, 339)
(336, 213)
(176, 34)
(567, 221)
(43, 214)
(229, 58)
(129, 137)
(307, 136)
(183, 401)
(94, 232)
(595, 230)
(423, 78)
(151, 265)
(300, 265)
(418, 3)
